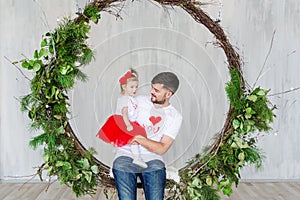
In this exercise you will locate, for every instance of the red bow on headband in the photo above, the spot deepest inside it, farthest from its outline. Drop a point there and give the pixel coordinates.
(124, 78)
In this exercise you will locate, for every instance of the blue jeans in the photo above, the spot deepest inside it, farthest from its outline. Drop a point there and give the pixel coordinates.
(153, 178)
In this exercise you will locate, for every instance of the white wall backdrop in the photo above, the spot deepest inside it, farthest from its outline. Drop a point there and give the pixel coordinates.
(152, 39)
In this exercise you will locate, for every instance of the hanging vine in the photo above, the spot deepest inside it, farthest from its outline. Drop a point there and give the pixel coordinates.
(56, 66)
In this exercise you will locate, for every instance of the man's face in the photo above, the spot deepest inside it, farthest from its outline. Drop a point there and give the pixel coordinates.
(130, 88)
(158, 93)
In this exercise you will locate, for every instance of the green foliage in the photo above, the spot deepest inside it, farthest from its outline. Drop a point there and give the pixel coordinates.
(220, 168)
(197, 190)
(56, 66)
(92, 12)
(234, 90)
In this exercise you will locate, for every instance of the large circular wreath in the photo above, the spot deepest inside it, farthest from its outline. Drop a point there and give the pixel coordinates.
(56, 66)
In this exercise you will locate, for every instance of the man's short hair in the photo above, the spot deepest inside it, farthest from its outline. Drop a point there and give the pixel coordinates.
(168, 79)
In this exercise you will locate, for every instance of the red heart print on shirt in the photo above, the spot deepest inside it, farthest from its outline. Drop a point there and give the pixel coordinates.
(154, 120)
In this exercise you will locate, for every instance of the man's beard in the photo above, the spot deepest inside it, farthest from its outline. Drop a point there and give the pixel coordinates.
(158, 102)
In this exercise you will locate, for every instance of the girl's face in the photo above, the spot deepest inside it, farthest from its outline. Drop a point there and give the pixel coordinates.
(130, 89)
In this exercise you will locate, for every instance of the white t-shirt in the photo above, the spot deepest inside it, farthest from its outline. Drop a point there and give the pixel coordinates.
(157, 122)
(130, 103)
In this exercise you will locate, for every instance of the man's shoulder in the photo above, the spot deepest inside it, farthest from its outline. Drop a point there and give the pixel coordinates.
(173, 112)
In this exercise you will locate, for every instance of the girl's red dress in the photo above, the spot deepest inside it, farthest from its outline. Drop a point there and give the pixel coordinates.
(114, 131)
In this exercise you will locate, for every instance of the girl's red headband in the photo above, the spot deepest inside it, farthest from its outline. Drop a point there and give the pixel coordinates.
(124, 78)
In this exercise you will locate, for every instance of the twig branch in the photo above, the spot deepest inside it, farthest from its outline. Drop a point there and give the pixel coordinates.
(268, 54)
(50, 183)
(31, 177)
(14, 63)
(25, 176)
(284, 92)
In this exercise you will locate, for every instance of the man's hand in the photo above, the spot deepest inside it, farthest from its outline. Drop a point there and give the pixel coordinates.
(153, 146)
(134, 142)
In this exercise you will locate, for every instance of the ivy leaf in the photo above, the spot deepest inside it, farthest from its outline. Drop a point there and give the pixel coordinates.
(45, 157)
(25, 64)
(238, 141)
(65, 165)
(60, 130)
(59, 163)
(95, 169)
(249, 110)
(58, 94)
(209, 181)
(50, 170)
(53, 91)
(249, 113)
(196, 182)
(248, 129)
(261, 92)
(51, 48)
(44, 42)
(36, 54)
(84, 163)
(241, 126)
(234, 145)
(248, 116)
(244, 145)
(94, 19)
(43, 52)
(36, 67)
(236, 123)
(63, 70)
(31, 64)
(78, 176)
(241, 156)
(87, 176)
(227, 190)
(224, 182)
(252, 98)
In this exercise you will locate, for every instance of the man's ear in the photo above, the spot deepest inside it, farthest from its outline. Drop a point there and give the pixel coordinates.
(169, 94)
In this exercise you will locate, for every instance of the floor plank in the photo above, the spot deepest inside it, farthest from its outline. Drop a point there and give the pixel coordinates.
(266, 191)
(56, 191)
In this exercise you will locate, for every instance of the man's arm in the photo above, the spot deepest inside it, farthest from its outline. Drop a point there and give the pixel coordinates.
(153, 146)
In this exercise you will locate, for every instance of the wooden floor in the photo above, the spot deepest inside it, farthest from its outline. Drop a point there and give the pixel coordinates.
(245, 191)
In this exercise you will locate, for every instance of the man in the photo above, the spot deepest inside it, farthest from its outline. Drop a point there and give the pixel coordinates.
(162, 123)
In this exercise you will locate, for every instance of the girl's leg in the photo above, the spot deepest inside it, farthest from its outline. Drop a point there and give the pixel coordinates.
(137, 159)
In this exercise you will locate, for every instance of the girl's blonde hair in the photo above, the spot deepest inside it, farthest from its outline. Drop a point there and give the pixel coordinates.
(130, 75)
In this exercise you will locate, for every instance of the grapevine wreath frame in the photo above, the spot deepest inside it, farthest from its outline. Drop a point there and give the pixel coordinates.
(56, 66)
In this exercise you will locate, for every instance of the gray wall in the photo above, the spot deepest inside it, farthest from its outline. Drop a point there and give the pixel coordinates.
(152, 39)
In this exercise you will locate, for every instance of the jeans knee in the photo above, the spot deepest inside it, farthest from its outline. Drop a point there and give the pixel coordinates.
(126, 184)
